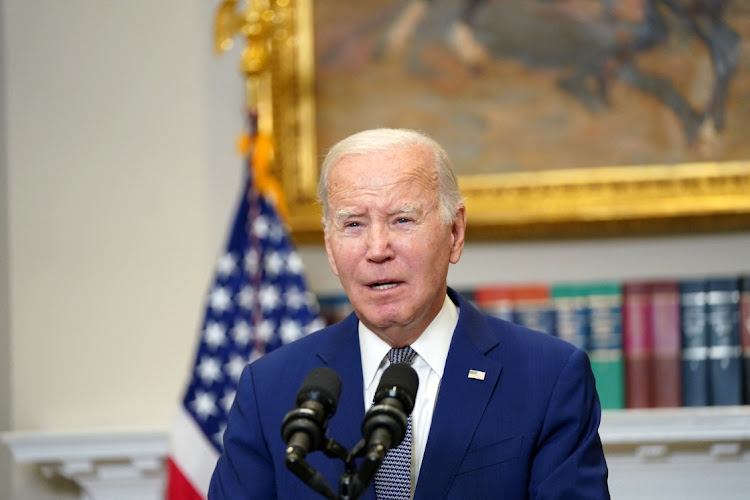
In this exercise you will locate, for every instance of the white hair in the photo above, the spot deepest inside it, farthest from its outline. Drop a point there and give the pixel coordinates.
(389, 139)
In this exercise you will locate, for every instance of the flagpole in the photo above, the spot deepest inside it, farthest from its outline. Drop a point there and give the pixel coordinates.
(259, 299)
(266, 26)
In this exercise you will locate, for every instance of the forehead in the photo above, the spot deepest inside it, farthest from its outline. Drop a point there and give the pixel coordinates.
(406, 167)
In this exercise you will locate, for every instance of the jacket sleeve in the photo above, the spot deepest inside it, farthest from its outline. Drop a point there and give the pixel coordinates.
(245, 467)
(569, 461)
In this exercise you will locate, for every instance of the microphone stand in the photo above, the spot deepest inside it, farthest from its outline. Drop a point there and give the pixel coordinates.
(353, 483)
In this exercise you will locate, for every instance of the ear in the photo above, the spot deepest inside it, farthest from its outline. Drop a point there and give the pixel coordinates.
(458, 234)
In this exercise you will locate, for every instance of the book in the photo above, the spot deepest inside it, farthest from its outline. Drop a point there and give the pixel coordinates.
(532, 307)
(605, 342)
(724, 351)
(694, 332)
(495, 300)
(570, 305)
(637, 339)
(667, 343)
(524, 304)
(745, 334)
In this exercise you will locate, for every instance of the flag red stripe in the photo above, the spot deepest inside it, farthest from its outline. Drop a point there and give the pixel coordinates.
(178, 486)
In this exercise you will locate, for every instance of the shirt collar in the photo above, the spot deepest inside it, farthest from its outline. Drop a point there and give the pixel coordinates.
(432, 345)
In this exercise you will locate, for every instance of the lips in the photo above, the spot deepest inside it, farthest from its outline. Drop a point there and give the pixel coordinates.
(383, 285)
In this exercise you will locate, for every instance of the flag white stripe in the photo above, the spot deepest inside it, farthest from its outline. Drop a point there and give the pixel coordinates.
(193, 454)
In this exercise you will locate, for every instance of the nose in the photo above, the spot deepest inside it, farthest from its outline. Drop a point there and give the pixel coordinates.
(379, 244)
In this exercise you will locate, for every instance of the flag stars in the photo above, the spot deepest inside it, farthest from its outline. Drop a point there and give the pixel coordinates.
(220, 299)
(214, 334)
(276, 234)
(242, 333)
(265, 330)
(257, 301)
(234, 367)
(204, 404)
(314, 325)
(261, 227)
(209, 370)
(226, 265)
(269, 297)
(274, 264)
(295, 298)
(246, 297)
(294, 263)
(290, 331)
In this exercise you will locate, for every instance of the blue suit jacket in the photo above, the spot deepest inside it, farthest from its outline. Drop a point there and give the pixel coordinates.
(528, 430)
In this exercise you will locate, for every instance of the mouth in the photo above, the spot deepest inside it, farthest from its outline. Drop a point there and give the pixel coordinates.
(383, 285)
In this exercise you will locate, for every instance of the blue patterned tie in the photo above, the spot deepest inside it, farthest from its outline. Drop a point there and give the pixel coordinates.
(393, 479)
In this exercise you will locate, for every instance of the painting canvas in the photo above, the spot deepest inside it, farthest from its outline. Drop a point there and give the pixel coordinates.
(549, 85)
(561, 116)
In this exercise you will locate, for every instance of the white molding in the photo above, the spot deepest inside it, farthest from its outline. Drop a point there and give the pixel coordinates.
(42, 446)
(675, 425)
(114, 464)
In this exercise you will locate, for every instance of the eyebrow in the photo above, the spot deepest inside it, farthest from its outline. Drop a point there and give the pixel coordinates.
(343, 214)
(408, 208)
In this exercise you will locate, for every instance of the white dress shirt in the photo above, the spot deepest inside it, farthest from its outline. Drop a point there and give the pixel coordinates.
(432, 350)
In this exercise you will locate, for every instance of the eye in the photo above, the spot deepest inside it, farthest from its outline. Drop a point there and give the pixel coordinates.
(351, 224)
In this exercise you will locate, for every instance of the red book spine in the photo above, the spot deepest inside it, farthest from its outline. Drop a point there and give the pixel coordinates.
(637, 345)
(495, 300)
(665, 327)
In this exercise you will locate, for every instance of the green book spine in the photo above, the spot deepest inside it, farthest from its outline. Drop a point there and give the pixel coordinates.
(605, 342)
(569, 302)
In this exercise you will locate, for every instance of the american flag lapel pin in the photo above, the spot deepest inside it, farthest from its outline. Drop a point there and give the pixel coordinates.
(476, 374)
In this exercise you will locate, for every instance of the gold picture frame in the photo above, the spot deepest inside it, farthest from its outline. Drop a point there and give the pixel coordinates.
(567, 203)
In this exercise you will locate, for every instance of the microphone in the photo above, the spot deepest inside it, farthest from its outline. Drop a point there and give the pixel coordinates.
(384, 425)
(304, 427)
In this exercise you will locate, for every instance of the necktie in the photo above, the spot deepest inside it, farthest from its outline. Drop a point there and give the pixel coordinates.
(393, 479)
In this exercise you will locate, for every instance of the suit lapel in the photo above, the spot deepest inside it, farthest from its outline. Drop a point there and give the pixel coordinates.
(460, 404)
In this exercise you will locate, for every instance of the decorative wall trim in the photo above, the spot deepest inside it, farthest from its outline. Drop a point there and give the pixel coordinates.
(118, 464)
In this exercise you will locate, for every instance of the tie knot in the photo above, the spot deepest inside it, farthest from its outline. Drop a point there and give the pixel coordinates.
(401, 355)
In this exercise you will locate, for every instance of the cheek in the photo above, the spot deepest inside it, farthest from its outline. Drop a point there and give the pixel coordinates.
(342, 257)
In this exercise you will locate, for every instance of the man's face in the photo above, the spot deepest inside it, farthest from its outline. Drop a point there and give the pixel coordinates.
(387, 243)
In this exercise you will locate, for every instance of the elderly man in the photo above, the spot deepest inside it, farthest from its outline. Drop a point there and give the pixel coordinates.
(501, 411)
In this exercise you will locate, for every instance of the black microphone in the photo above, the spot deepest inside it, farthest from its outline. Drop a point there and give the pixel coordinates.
(304, 428)
(384, 425)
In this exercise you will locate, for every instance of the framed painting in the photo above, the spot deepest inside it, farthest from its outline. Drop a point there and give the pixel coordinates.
(564, 118)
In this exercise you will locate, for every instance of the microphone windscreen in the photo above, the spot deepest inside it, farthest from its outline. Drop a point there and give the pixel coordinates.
(400, 375)
(322, 384)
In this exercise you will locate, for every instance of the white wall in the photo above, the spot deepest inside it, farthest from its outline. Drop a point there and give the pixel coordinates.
(5, 458)
(121, 176)
(118, 149)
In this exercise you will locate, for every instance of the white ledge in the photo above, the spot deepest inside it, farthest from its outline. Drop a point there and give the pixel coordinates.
(675, 425)
(117, 464)
(55, 446)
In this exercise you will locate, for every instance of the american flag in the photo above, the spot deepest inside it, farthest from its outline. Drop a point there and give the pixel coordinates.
(258, 302)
